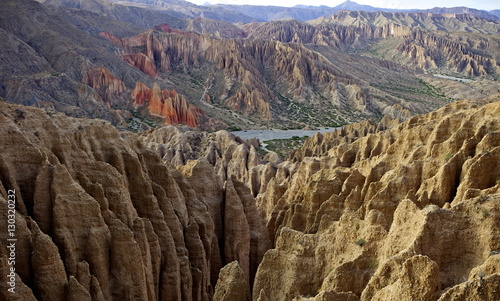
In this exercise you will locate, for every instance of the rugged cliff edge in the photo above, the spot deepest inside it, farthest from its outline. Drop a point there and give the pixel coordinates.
(389, 211)
(100, 217)
(375, 211)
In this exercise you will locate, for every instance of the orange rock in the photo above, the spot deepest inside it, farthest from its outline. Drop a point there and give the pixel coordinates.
(167, 104)
(163, 27)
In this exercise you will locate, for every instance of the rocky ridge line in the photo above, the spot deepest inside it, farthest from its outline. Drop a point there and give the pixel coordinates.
(409, 211)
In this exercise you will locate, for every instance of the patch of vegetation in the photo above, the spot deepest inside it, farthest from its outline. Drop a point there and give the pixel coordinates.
(448, 156)
(485, 212)
(360, 242)
(261, 151)
(373, 264)
(429, 89)
(139, 123)
(420, 88)
(233, 128)
(284, 147)
(301, 114)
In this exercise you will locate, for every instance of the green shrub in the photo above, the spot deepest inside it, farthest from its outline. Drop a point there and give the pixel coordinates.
(447, 156)
(360, 242)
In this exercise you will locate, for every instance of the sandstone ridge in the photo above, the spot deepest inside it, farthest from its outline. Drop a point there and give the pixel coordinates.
(382, 212)
(376, 211)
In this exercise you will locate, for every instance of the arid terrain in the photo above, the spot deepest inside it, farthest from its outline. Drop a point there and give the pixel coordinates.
(374, 211)
(148, 63)
(119, 179)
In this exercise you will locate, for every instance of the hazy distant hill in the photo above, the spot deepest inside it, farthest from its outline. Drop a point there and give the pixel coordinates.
(495, 12)
(460, 10)
(351, 5)
(246, 13)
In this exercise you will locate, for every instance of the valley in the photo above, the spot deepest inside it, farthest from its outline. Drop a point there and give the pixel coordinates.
(333, 70)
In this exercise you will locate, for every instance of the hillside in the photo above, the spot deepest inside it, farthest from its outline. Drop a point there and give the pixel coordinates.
(204, 73)
(439, 43)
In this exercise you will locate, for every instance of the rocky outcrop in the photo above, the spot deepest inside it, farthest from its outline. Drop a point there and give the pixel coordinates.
(437, 20)
(388, 210)
(111, 88)
(324, 32)
(166, 104)
(180, 50)
(431, 51)
(422, 45)
(141, 62)
(231, 285)
(99, 216)
(230, 155)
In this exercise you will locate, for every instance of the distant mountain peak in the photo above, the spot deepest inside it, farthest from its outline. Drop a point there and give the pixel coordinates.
(351, 5)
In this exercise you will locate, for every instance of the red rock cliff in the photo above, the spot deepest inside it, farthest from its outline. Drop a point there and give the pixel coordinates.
(167, 104)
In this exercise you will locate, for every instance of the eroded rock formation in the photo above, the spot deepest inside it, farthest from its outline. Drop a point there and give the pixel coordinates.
(379, 211)
(229, 155)
(100, 217)
(166, 104)
(389, 211)
(111, 88)
(419, 37)
(268, 79)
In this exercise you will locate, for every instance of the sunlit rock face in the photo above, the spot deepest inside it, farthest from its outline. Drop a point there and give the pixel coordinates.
(99, 216)
(167, 104)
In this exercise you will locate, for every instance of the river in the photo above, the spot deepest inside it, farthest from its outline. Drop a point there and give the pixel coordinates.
(265, 135)
(453, 78)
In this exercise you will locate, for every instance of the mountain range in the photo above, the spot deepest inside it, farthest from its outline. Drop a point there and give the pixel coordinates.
(152, 62)
(259, 13)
